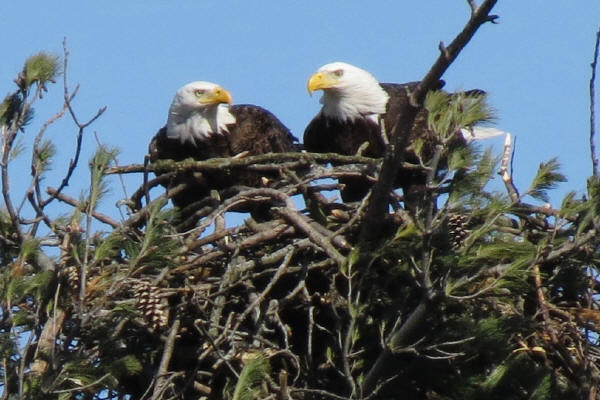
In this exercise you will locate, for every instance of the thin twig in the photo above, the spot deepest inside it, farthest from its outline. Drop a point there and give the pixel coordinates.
(396, 338)
(72, 202)
(319, 393)
(6, 388)
(259, 299)
(8, 137)
(593, 107)
(35, 184)
(163, 369)
(82, 388)
(317, 238)
(504, 170)
(68, 96)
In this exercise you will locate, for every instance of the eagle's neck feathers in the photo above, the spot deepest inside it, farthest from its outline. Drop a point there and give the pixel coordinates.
(363, 99)
(198, 124)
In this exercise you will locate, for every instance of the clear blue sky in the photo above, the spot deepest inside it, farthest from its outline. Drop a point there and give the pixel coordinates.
(132, 56)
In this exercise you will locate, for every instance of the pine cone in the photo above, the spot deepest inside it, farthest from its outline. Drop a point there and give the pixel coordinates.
(457, 230)
(71, 276)
(151, 305)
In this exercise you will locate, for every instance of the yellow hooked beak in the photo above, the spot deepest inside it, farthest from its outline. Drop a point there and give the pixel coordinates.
(319, 81)
(217, 96)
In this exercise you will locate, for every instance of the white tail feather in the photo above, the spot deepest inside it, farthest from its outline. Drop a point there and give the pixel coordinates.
(480, 133)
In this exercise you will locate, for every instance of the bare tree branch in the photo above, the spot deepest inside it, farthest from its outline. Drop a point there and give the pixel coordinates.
(394, 154)
(397, 338)
(505, 167)
(68, 96)
(72, 202)
(593, 107)
(216, 164)
(163, 369)
(46, 342)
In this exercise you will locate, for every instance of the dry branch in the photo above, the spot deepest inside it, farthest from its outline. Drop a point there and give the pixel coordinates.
(263, 162)
(76, 204)
(163, 369)
(505, 170)
(394, 153)
(593, 107)
(371, 227)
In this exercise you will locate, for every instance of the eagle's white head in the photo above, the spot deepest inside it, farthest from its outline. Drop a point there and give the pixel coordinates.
(199, 110)
(348, 92)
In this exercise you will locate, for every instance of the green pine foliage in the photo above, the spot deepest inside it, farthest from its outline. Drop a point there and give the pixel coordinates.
(469, 180)
(125, 366)
(547, 177)
(249, 384)
(449, 113)
(477, 295)
(98, 165)
(17, 149)
(41, 68)
(9, 108)
(43, 157)
(155, 249)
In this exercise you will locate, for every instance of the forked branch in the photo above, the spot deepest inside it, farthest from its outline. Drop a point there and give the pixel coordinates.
(394, 155)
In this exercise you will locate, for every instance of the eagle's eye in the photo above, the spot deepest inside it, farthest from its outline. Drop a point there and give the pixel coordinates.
(338, 72)
(199, 92)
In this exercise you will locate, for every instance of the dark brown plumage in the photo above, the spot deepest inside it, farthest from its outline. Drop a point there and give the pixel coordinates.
(325, 135)
(252, 129)
(256, 131)
(331, 131)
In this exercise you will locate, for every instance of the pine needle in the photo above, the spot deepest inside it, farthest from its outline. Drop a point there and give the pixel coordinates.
(98, 166)
(547, 178)
(41, 68)
(9, 106)
(251, 377)
(43, 156)
(448, 113)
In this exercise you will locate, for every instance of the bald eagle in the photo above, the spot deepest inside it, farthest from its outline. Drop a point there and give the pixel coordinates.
(203, 124)
(355, 105)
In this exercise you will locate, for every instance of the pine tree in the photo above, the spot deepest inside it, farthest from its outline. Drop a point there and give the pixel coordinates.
(480, 293)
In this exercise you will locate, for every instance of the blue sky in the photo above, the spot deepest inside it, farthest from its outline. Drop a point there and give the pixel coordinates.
(132, 56)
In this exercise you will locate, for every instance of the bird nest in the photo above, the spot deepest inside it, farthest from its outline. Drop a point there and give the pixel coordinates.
(278, 288)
